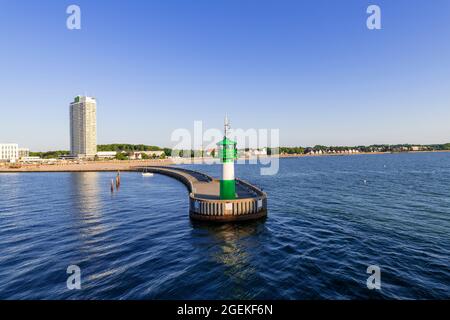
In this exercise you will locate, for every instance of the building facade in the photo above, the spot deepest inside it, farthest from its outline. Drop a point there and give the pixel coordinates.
(9, 152)
(83, 127)
(24, 153)
(106, 154)
(138, 155)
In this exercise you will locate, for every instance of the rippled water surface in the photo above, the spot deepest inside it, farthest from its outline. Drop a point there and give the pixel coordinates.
(329, 219)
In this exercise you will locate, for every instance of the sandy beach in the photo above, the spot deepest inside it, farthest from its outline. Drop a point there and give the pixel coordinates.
(86, 166)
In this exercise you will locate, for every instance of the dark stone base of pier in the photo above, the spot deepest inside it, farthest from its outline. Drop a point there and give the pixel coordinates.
(228, 218)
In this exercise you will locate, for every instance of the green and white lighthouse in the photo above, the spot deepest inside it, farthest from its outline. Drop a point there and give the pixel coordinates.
(227, 154)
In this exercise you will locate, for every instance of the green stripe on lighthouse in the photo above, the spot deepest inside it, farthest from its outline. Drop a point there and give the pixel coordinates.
(227, 189)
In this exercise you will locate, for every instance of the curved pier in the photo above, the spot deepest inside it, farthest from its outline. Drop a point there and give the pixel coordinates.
(204, 200)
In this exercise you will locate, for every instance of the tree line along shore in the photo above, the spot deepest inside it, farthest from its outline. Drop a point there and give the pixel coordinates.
(125, 151)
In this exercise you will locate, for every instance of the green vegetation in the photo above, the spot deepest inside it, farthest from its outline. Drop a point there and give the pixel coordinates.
(119, 147)
(49, 154)
(186, 153)
(127, 147)
(445, 146)
(371, 148)
(291, 150)
(167, 152)
(121, 156)
(270, 151)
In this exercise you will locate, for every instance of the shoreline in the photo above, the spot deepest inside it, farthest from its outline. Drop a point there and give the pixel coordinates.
(87, 166)
(356, 154)
(130, 165)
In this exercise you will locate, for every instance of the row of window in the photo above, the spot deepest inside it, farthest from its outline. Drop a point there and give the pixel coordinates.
(8, 155)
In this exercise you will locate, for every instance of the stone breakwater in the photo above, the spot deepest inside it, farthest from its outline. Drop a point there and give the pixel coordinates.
(204, 196)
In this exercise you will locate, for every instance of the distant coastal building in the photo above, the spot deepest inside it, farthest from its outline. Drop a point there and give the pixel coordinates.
(253, 152)
(211, 152)
(31, 159)
(24, 153)
(106, 154)
(137, 155)
(9, 152)
(155, 153)
(83, 127)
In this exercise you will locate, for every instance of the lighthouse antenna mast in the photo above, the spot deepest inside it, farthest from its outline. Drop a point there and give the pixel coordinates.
(226, 126)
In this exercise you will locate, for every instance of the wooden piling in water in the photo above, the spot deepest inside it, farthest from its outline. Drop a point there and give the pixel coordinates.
(118, 180)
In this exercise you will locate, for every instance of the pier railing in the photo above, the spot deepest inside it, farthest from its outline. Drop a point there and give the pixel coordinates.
(236, 209)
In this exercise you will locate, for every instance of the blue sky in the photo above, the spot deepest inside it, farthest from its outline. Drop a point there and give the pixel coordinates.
(310, 68)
